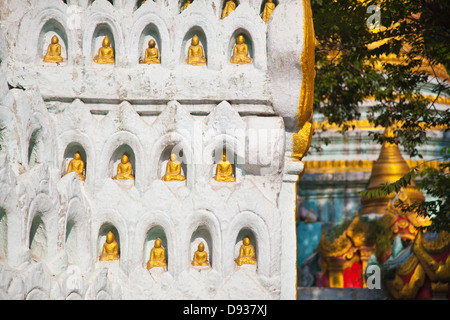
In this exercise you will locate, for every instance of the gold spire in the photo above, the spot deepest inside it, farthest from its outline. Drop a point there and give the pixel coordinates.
(388, 168)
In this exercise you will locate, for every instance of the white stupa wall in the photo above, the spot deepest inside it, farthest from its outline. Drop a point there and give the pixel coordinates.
(52, 228)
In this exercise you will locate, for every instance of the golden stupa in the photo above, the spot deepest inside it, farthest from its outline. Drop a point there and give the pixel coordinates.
(388, 168)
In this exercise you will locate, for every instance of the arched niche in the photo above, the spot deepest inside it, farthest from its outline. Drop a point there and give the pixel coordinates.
(35, 148)
(71, 241)
(110, 1)
(69, 153)
(263, 4)
(38, 238)
(101, 240)
(202, 234)
(102, 30)
(234, 152)
(156, 232)
(139, 3)
(3, 234)
(186, 43)
(248, 42)
(150, 32)
(182, 3)
(51, 28)
(165, 157)
(224, 3)
(116, 158)
(76, 236)
(245, 232)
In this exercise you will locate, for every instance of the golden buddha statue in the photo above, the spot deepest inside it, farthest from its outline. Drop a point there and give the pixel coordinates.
(188, 2)
(240, 52)
(124, 169)
(229, 7)
(54, 51)
(157, 256)
(268, 9)
(105, 53)
(200, 257)
(195, 53)
(224, 171)
(151, 53)
(110, 248)
(173, 170)
(76, 165)
(246, 253)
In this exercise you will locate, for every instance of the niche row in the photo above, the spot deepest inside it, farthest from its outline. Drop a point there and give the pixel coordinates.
(229, 6)
(195, 55)
(224, 172)
(157, 256)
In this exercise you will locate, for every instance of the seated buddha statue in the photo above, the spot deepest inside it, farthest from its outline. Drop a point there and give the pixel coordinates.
(124, 169)
(229, 7)
(188, 2)
(76, 165)
(268, 9)
(224, 171)
(105, 53)
(151, 53)
(157, 256)
(173, 170)
(200, 257)
(246, 253)
(54, 51)
(110, 248)
(195, 53)
(240, 52)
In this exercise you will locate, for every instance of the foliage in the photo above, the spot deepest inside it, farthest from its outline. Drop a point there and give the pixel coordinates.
(391, 66)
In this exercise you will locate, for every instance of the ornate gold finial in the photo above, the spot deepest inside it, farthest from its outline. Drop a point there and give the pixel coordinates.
(151, 54)
(110, 248)
(200, 256)
(268, 9)
(157, 256)
(224, 170)
(124, 169)
(173, 170)
(76, 165)
(240, 52)
(230, 6)
(105, 53)
(54, 51)
(405, 223)
(246, 253)
(196, 56)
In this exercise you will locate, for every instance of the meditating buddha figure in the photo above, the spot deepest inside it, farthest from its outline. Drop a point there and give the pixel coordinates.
(54, 51)
(110, 248)
(151, 53)
(229, 7)
(246, 253)
(224, 171)
(124, 169)
(76, 165)
(188, 2)
(105, 53)
(240, 52)
(157, 256)
(268, 9)
(195, 53)
(173, 170)
(200, 257)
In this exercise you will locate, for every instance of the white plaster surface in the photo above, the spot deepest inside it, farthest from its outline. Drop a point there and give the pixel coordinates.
(52, 228)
